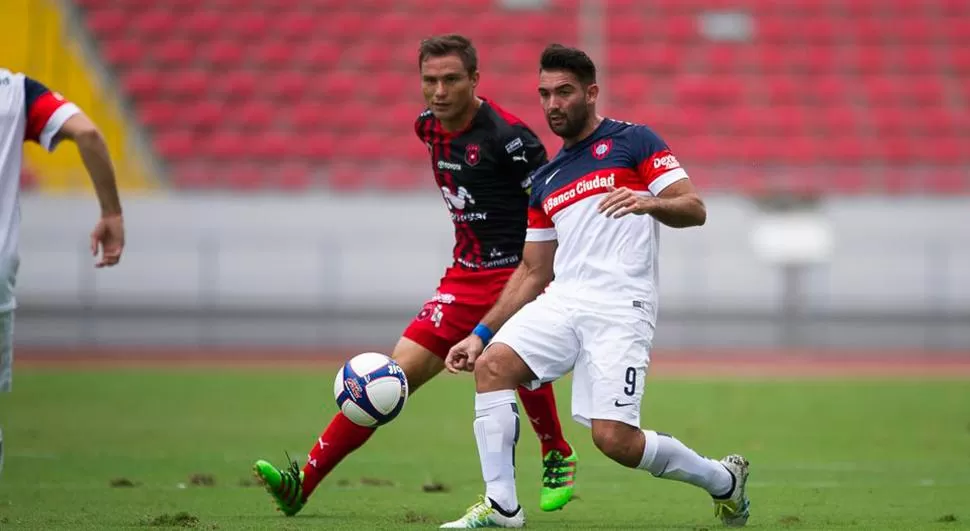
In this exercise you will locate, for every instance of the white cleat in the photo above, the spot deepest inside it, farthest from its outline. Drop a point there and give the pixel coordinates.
(484, 514)
(734, 510)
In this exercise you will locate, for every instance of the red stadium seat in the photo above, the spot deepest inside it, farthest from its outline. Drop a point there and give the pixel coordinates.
(225, 53)
(227, 144)
(203, 114)
(153, 23)
(287, 86)
(202, 24)
(142, 84)
(296, 25)
(124, 52)
(292, 177)
(107, 23)
(248, 24)
(158, 113)
(318, 145)
(186, 83)
(176, 144)
(174, 53)
(254, 115)
(271, 146)
(319, 55)
(272, 54)
(305, 117)
(236, 85)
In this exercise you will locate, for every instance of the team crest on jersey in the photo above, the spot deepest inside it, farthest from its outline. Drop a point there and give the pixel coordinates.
(602, 148)
(472, 154)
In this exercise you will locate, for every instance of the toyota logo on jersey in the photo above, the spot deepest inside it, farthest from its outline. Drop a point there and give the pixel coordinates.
(472, 154)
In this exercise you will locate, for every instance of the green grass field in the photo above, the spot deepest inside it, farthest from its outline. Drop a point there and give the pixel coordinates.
(824, 454)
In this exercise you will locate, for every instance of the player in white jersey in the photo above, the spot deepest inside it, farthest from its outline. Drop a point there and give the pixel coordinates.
(592, 238)
(29, 111)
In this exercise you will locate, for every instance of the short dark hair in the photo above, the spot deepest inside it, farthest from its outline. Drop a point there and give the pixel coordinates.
(451, 43)
(574, 60)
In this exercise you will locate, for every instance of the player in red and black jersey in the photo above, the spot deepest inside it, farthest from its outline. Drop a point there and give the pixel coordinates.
(482, 158)
(483, 172)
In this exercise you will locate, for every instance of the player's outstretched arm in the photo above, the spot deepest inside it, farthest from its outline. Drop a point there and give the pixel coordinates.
(109, 232)
(678, 205)
(526, 283)
(97, 161)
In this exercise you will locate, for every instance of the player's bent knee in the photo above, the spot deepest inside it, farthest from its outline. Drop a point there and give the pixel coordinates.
(419, 364)
(488, 372)
(620, 442)
(500, 368)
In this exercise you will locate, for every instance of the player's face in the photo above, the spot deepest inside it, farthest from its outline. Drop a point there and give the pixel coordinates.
(447, 86)
(567, 104)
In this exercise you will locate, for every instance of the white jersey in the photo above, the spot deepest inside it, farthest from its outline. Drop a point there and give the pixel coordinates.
(602, 260)
(28, 112)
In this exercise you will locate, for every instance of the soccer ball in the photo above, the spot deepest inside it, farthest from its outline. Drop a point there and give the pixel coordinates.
(371, 389)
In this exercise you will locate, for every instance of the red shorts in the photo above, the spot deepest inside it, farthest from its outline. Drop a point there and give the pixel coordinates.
(462, 299)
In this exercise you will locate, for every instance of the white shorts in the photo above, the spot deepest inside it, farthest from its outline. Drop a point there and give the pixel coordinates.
(607, 348)
(6, 351)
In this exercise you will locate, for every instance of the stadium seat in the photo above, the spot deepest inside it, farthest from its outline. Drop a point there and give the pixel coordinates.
(176, 144)
(123, 52)
(157, 113)
(868, 96)
(201, 24)
(153, 23)
(185, 84)
(108, 22)
(293, 177)
(173, 53)
(253, 115)
(270, 54)
(142, 84)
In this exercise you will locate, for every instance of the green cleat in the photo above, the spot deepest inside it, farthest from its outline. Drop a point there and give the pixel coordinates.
(558, 476)
(286, 486)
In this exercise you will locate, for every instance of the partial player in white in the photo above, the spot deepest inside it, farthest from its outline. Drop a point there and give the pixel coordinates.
(29, 111)
(593, 238)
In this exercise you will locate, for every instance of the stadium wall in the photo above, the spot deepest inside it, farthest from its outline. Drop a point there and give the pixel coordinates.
(341, 269)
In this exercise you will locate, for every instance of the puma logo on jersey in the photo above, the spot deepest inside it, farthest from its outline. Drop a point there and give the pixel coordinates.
(521, 157)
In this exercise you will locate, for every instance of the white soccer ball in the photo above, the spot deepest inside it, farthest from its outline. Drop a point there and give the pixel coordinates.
(370, 389)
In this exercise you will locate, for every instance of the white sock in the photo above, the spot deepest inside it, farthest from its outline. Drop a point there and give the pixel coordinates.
(497, 431)
(666, 457)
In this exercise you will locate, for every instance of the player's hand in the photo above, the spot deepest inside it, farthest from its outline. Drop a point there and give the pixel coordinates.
(462, 356)
(622, 201)
(108, 237)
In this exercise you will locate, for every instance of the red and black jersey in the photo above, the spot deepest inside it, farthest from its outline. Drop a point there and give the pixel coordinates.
(484, 173)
